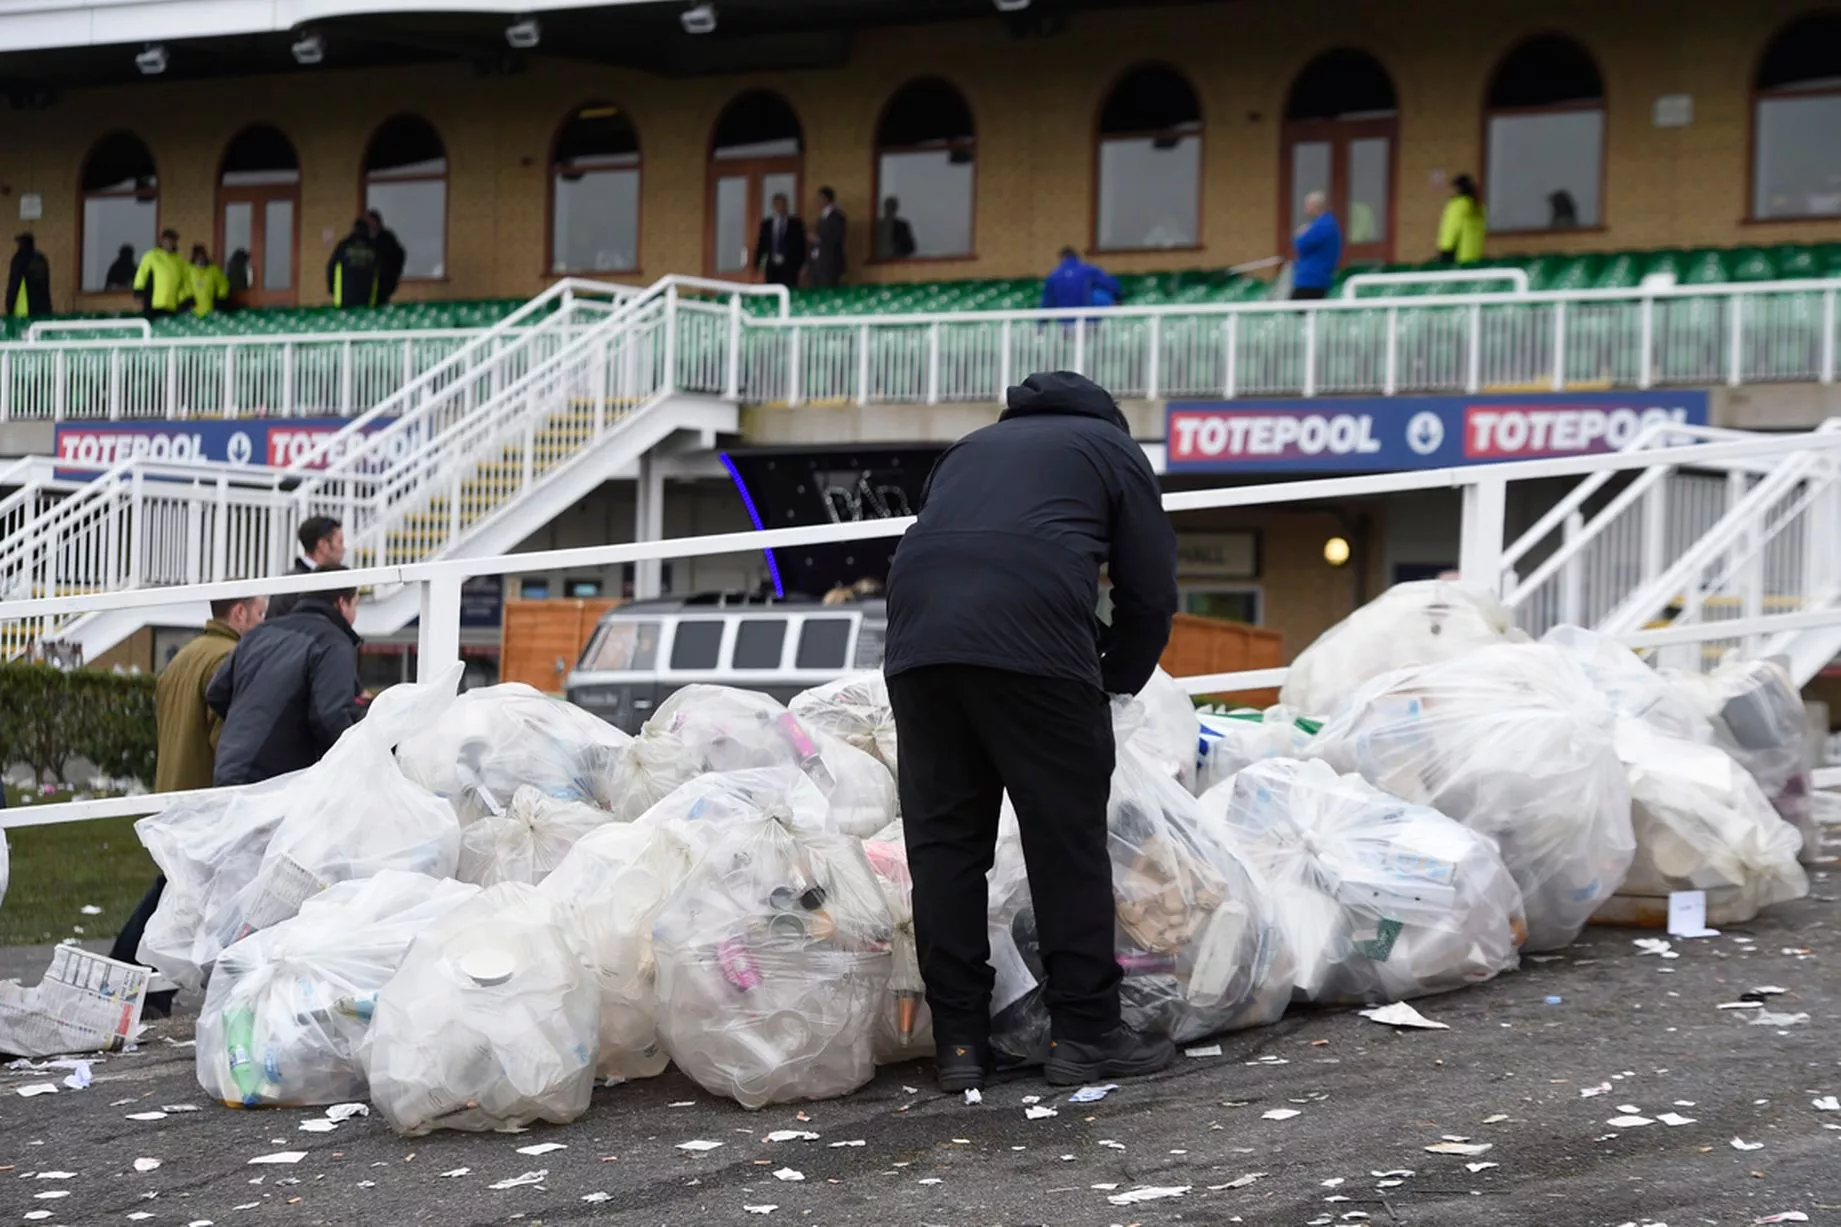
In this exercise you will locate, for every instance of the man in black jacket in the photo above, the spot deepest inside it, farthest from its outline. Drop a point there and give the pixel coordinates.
(322, 545)
(827, 265)
(779, 248)
(353, 275)
(28, 281)
(390, 257)
(288, 690)
(998, 672)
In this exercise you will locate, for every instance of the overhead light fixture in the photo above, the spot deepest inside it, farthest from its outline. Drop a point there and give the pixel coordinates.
(1336, 551)
(151, 62)
(524, 34)
(310, 49)
(699, 19)
(1010, 6)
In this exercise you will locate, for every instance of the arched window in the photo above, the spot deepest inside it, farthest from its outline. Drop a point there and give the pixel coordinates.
(1796, 117)
(924, 170)
(1341, 121)
(405, 179)
(258, 201)
(756, 154)
(1150, 163)
(121, 211)
(1546, 138)
(594, 193)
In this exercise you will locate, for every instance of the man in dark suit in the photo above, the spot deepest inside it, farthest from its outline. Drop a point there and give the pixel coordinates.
(779, 250)
(322, 544)
(828, 241)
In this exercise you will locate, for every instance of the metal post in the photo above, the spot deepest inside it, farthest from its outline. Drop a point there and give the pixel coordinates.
(115, 405)
(1828, 346)
(1480, 543)
(1559, 346)
(1735, 306)
(1003, 364)
(230, 381)
(220, 530)
(597, 388)
(732, 381)
(287, 378)
(1080, 347)
(863, 365)
(1390, 380)
(792, 365)
(59, 384)
(136, 510)
(1572, 606)
(670, 383)
(438, 629)
(1473, 380)
(453, 514)
(1310, 351)
(6, 385)
(1153, 359)
(1645, 376)
(649, 525)
(1230, 328)
(933, 363)
(172, 378)
(1655, 531)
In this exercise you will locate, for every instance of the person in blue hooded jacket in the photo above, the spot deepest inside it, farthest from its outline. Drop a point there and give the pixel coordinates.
(1319, 248)
(1075, 283)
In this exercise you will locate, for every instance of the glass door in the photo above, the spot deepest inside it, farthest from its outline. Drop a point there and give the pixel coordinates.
(1351, 161)
(257, 244)
(741, 195)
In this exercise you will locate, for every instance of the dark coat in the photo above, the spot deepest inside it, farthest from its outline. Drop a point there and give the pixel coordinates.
(390, 261)
(790, 249)
(1002, 569)
(31, 272)
(285, 694)
(353, 274)
(283, 605)
(828, 248)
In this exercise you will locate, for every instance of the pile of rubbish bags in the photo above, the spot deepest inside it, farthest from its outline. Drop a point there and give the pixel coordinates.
(476, 907)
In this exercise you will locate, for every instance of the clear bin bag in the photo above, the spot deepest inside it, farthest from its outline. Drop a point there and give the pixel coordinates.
(1632, 688)
(1171, 734)
(528, 840)
(855, 710)
(904, 1029)
(1235, 740)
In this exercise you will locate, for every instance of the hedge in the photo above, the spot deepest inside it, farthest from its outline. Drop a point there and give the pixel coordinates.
(49, 716)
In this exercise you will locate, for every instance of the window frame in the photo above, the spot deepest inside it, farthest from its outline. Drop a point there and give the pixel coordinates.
(258, 196)
(84, 197)
(1340, 134)
(1602, 105)
(1748, 212)
(444, 178)
(1099, 138)
(554, 169)
(877, 149)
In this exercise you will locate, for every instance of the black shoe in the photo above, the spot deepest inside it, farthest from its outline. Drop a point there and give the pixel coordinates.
(962, 1067)
(1122, 1053)
(159, 1004)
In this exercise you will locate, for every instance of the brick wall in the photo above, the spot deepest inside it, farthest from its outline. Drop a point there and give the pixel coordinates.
(1035, 103)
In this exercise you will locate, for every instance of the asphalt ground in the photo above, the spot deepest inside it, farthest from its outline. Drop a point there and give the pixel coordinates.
(1369, 1099)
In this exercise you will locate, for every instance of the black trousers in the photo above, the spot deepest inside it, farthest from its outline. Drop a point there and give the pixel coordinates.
(1306, 293)
(967, 736)
(127, 946)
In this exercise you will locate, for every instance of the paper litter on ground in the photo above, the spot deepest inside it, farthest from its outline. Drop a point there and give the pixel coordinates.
(280, 1156)
(852, 1142)
(1036, 1112)
(1459, 1148)
(1742, 1144)
(1629, 1122)
(37, 1088)
(1474, 1168)
(86, 1002)
(1768, 1018)
(456, 1171)
(1674, 1119)
(698, 1144)
(318, 1124)
(1280, 1114)
(1788, 1216)
(146, 1165)
(1656, 945)
(597, 1197)
(789, 1174)
(1827, 1103)
(791, 1135)
(1239, 1182)
(1092, 1094)
(769, 1209)
(542, 1148)
(972, 1096)
(537, 1177)
(1206, 1050)
(1148, 1193)
(1400, 1014)
(345, 1111)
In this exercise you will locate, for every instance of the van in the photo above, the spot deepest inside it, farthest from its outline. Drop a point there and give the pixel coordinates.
(644, 651)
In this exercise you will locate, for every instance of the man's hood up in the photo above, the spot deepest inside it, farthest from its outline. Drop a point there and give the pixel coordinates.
(1062, 392)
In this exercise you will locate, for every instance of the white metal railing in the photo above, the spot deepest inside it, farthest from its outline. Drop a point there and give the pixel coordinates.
(1445, 342)
(1484, 490)
(1517, 279)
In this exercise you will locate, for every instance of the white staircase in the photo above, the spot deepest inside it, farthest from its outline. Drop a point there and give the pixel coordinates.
(469, 459)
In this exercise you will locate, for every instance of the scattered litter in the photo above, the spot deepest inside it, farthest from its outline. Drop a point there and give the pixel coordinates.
(179, 1107)
(1104, 1188)
(1036, 1112)
(146, 1165)
(345, 1111)
(280, 1156)
(683, 1103)
(1400, 1014)
(1148, 1193)
(852, 1142)
(974, 1096)
(1742, 1144)
(1239, 1182)
(759, 1209)
(1788, 1216)
(698, 1144)
(929, 1180)
(1554, 1000)
(1684, 1103)
(1206, 1050)
(1111, 1145)
(789, 1175)
(1655, 945)
(56, 1175)
(791, 1135)
(1388, 1184)
(1335, 1182)
(451, 1173)
(1461, 1148)
(1769, 1018)
(1769, 990)
(597, 1197)
(515, 1182)
(146, 1116)
(1092, 1094)
(1500, 1116)
(90, 909)
(1674, 1119)
(318, 1125)
(79, 1077)
(542, 1148)
(1281, 1114)
(1586, 1092)
(1474, 1168)
(1827, 1103)
(51, 1194)
(1629, 1122)
(1740, 1005)
(1399, 1172)
(38, 1088)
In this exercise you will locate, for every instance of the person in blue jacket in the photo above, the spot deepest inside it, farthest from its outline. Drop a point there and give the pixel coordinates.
(1319, 250)
(1075, 283)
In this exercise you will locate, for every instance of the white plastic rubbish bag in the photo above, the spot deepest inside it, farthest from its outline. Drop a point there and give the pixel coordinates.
(709, 729)
(208, 850)
(1702, 823)
(490, 1023)
(528, 840)
(855, 710)
(904, 1029)
(1170, 735)
(1513, 742)
(1196, 934)
(492, 741)
(1379, 900)
(351, 815)
(288, 1006)
(1417, 623)
(611, 886)
(1629, 685)
(773, 956)
(1758, 718)
(1235, 740)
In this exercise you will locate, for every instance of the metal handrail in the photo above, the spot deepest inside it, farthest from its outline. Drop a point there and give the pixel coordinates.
(1517, 278)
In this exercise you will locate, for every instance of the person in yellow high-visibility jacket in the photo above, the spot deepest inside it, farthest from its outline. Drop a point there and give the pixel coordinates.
(162, 281)
(1461, 229)
(206, 281)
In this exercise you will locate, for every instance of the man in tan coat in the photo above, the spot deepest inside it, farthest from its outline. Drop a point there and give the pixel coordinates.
(187, 731)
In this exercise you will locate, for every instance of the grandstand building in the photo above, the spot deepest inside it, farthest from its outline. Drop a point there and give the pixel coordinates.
(1662, 181)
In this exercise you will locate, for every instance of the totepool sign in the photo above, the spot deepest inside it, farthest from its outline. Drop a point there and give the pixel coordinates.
(1383, 434)
(277, 442)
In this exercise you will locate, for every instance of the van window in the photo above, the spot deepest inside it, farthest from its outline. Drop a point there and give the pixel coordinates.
(623, 647)
(698, 645)
(758, 643)
(822, 642)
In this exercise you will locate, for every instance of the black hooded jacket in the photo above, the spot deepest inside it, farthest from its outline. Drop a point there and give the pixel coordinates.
(285, 694)
(1002, 568)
